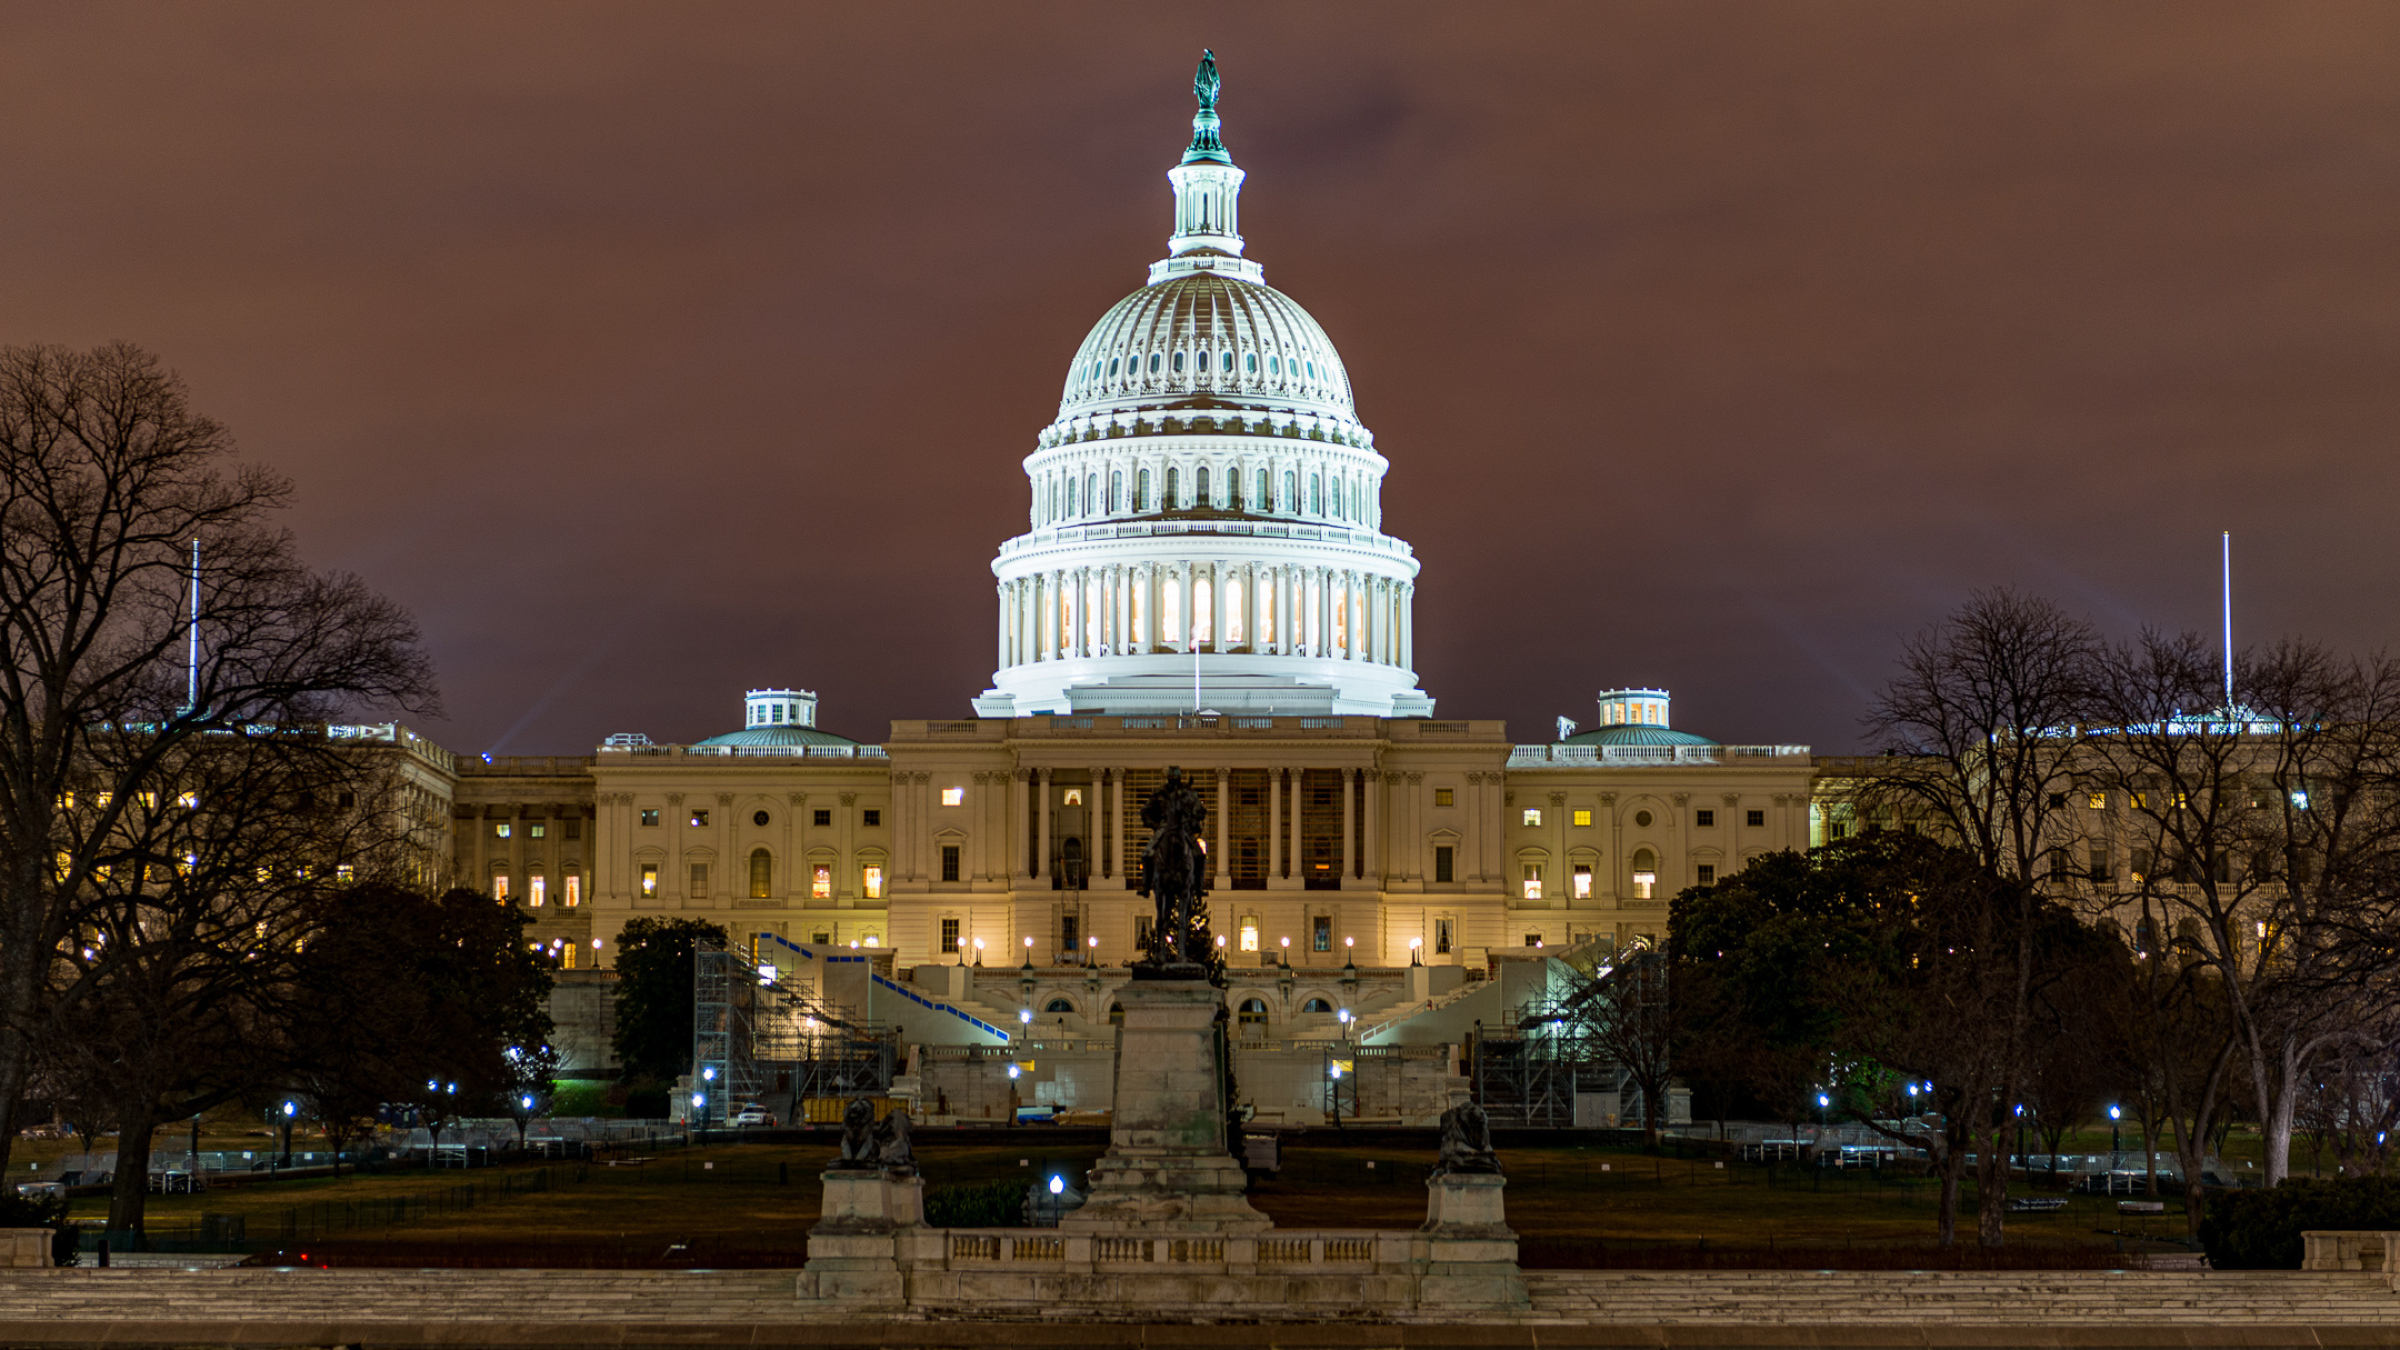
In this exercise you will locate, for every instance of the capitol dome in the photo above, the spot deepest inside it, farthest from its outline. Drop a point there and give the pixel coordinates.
(1205, 531)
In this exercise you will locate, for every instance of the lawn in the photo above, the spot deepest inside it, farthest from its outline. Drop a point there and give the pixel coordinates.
(753, 1203)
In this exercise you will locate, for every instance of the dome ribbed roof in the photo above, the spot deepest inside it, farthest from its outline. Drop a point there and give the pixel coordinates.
(1631, 734)
(778, 736)
(1207, 340)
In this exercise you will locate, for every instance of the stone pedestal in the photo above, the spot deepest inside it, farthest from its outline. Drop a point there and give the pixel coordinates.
(25, 1248)
(854, 1250)
(1470, 1251)
(1168, 1168)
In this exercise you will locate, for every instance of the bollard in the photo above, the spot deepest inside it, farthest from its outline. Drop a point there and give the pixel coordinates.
(104, 1253)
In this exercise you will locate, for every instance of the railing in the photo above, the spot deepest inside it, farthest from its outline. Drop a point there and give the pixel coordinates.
(1637, 756)
(970, 1249)
(1373, 541)
(750, 751)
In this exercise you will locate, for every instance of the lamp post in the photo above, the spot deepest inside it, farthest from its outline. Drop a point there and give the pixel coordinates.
(1287, 953)
(1416, 948)
(962, 951)
(1092, 950)
(1350, 954)
(2022, 1160)
(979, 951)
(1029, 953)
(2115, 1145)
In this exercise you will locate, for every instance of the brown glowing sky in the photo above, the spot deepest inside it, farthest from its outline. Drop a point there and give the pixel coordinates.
(652, 353)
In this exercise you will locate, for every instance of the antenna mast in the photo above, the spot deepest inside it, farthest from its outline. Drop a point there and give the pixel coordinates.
(2228, 587)
(191, 696)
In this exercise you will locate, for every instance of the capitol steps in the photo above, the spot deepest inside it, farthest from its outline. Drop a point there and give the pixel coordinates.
(1663, 1296)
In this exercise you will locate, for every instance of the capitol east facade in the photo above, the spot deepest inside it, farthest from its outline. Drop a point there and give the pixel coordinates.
(1206, 580)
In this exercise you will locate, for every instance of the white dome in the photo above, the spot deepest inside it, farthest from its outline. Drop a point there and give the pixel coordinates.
(1207, 341)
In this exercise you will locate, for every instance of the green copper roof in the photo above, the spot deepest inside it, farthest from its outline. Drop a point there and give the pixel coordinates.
(785, 735)
(1634, 734)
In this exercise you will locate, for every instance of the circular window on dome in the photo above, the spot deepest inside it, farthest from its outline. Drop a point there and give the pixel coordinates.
(1154, 363)
(758, 818)
(1641, 817)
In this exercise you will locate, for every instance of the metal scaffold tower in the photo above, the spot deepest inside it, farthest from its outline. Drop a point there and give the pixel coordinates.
(755, 1036)
(1600, 1005)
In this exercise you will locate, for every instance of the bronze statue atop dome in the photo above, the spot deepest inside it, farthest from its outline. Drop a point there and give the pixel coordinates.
(1205, 82)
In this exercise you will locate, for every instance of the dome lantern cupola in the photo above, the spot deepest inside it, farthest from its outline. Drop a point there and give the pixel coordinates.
(1208, 198)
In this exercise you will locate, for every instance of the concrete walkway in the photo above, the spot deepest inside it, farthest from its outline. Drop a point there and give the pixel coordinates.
(2086, 1310)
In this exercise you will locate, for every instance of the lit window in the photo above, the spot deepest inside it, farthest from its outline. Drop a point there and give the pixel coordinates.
(1533, 815)
(574, 890)
(950, 939)
(874, 939)
(1533, 881)
(1707, 873)
(500, 885)
(500, 831)
(1321, 937)
(820, 882)
(566, 957)
(189, 801)
(1583, 816)
(535, 831)
(1441, 936)
(1074, 797)
(762, 874)
(699, 818)
(2139, 800)
(1249, 934)
(874, 881)
(1443, 796)
(345, 872)
(2098, 801)
(537, 890)
(650, 879)
(956, 796)
(1583, 881)
(1645, 873)
(650, 815)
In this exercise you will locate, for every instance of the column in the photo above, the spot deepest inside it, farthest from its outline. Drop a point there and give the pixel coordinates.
(1298, 855)
(1371, 864)
(1349, 824)
(1123, 826)
(1354, 592)
(1274, 825)
(1408, 624)
(1017, 869)
(1218, 609)
(1183, 616)
(1109, 641)
(1079, 640)
(1041, 851)
(1040, 597)
(1104, 823)
(1002, 659)
(1222, 878)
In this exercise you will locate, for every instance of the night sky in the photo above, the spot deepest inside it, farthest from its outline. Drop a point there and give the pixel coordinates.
(653, 353)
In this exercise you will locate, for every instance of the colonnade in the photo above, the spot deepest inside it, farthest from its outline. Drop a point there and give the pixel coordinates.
(1269, 609)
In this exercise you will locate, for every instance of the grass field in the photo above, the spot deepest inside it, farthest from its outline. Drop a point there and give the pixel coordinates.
(752, 1203)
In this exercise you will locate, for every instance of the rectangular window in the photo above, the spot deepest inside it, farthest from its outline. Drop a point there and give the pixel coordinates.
(954, 796)
(1839, 829)
(872, 876)
(650, 879)
(699, 879)
(1705, 818)
(1073, 797)
(1583, 881)
(2098, 801)
(1142, 931)
(1583, 816)
(535, 830)
(1321, 933)
(2098, 871)
(871, 816)
(1442, 796)
(2058, 799)
(566, 957)
(1708, 874)
(1533, 939)
(1533, 881)
(500, 886)
(649, 815)
(344, 872)
(821, 816)
(1442, 854)
(2141, 865)
(1249, 933)
(950, 938)
(537, 890)
(574, 890)
(821, 938)
(820, 882)
(1757, 819)
(2137, 800)
(1441, 936)
(699, 818)
(500, 831)
(571, 828)
(949, 862)
(1533, 815)
(1070, 933)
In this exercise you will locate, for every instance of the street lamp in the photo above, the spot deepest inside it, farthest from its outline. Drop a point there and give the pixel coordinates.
(962, 951)
(1094, 949)
(979, 951)
(1287, 952)
(1025, 1016)
(2114, 1145)
(1350, 954)
(1029, 953)
(1416, 947)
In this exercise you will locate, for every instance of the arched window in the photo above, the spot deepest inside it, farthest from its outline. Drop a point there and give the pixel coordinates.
(1291, 493)
(762, 874)
(1112, 367)
(1312, 370)
(1070, 496)
(1316, 495)
(1228, 366)
(1154, 359)
(1200, 495)
(1253, 1013)
(1173, 498)
(1116, 489)
(1263, 490)
(1179, 363)
(1058, 1005)
(1645, 873)
(1316, 1005)
(1274, 365)
(1091, 493)
(1250, 363)
(1337, 499)
(1141, 491)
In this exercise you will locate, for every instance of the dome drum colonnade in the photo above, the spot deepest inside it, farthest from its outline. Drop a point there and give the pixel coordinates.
(1206, 506)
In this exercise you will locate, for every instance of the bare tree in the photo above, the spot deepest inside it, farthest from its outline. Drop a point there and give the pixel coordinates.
(1624, 1012)
(107, 480)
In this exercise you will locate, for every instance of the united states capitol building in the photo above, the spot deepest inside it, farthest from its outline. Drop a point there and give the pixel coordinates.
(1206, 580)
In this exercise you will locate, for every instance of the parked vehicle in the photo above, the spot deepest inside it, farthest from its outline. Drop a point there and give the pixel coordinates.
(750, 1115)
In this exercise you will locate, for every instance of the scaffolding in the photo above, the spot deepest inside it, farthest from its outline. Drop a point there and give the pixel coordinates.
(1560, 1044)
(754, 1036)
